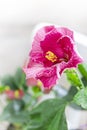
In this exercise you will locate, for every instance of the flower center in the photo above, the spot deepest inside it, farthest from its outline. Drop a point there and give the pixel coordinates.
(51, 56)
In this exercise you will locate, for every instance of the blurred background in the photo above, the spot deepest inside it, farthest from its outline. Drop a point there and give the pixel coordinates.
(18, 19)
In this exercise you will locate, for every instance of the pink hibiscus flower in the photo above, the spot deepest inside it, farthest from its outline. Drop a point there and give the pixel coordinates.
(53, 50)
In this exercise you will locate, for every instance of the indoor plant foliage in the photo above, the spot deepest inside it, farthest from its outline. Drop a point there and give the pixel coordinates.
(19, 97)
(53, 53)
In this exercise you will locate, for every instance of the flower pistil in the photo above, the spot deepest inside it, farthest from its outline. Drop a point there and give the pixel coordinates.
(51, 56)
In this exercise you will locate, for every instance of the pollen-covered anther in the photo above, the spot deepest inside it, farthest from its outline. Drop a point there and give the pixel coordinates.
(51, 56)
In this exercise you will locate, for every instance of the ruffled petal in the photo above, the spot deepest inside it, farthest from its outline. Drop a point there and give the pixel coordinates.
(65, 47)
(37, 53)
(70, 54)
(32, 71)
(48, 77)
(72, 63)
(66, 32)
(50, 41)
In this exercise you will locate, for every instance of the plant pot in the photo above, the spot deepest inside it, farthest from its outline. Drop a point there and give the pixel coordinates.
(76, 118)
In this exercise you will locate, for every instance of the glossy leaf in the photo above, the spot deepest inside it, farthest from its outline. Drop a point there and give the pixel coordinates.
(19, 77)
(81, 98)
(9, 81)
(20, 117)
(49, 115)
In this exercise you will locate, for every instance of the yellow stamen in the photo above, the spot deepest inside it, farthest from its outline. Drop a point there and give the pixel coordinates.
(51, 56)
(16, 94)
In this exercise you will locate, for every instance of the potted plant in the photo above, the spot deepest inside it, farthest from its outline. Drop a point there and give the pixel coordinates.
(53, 53)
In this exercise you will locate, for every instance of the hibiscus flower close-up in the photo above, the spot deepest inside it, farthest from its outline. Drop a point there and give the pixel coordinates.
(43, 65)
(53, 51)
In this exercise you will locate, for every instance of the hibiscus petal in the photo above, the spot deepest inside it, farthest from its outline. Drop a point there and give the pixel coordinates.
(49, 44)
(48, 29)
(50, 41)
(37, 53)
(65, 47)
(48, 77)
(32, 71)
(66, 32)
(72, 63)
(70, 53)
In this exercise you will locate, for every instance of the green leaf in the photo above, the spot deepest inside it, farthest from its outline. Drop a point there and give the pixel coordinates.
(19, 77)
(29, 101)
(20, 117)
(14, 106)
(14, 112)
(72, 91)
(74, 78)
(27, 98)
(49, 115)
(15, 82)
(9, 81)
(59, 122)
(83, 70)
(81, 98)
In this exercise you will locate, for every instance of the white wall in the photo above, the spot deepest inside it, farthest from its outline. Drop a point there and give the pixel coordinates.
(71, 13)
